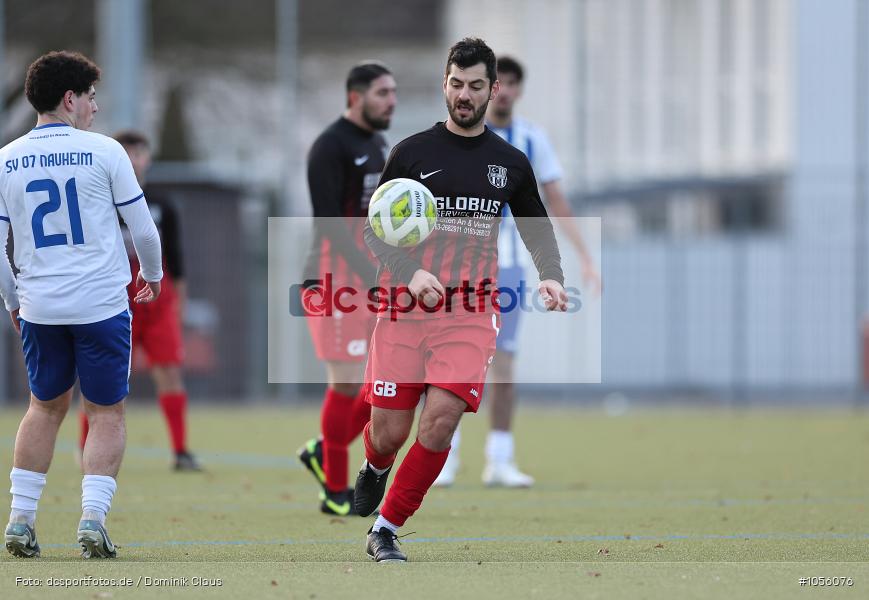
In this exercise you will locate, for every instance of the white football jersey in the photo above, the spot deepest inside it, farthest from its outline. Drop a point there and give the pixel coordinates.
(60, 188)
(535, 144)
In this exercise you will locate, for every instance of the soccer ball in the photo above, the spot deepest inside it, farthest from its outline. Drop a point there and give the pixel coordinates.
(402, 212)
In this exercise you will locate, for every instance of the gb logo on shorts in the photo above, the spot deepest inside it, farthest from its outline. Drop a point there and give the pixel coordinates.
(498, 176)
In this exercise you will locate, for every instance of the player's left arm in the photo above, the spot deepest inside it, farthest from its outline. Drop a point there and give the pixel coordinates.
(560, 209)
(129, 199)
(536, 232)
(146, 241)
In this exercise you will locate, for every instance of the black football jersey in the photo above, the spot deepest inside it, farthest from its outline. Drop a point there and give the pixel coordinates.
(344, 167)
(472, 180)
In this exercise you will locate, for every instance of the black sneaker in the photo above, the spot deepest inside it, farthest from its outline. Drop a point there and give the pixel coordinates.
(311, 456)
(369, 489)
(383, 546)
(185, 461)
(337, 503)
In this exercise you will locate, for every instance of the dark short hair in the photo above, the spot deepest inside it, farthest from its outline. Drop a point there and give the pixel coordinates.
(360, 76)
(471, 51)
(510, 66)
(130, 138)
(51, 75)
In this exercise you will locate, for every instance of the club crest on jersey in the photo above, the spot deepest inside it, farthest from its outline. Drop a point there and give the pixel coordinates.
(498, 176)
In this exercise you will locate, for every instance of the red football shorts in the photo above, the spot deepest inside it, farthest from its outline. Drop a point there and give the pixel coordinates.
(452, 353)
(157, 325)
(340, 336)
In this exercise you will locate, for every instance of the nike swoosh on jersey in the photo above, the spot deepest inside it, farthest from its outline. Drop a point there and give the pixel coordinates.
(427, 175)
(360, 161)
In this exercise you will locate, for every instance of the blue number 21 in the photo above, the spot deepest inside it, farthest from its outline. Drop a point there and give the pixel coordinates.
(55, 239)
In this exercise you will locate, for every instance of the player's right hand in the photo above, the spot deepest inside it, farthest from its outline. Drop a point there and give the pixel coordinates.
(426, 288)
(15, 323)
(148, 291)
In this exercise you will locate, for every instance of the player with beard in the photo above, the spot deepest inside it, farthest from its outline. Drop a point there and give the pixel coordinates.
(441, 343)
(501, 469)
(344, 167)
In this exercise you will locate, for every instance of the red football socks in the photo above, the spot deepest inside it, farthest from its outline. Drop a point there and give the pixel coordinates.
(414, 477)
(376, 460)
(174, 407)
(337, 435)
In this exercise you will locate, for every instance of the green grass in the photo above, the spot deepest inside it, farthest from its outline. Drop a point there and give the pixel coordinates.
(699, 503)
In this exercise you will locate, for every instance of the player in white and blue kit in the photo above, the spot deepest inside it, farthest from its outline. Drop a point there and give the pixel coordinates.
(61, 189)
(513, 259)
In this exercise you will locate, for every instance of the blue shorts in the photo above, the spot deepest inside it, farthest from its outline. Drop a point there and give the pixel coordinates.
(99, 353)
(510, 282)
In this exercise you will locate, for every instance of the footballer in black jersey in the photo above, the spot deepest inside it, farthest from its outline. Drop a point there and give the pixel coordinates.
(473, 174)
(472, 179)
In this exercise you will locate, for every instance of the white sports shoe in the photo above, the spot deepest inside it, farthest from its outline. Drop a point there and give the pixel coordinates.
(448, 474)
(506, 475)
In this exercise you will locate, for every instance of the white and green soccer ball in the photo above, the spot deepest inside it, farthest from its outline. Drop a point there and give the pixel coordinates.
(402, 212)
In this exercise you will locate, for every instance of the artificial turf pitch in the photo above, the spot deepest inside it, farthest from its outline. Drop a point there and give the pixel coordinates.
(660, 503)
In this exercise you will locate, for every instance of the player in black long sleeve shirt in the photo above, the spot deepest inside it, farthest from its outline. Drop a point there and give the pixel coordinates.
(344, 166)
(472, 180)
(472, 174)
